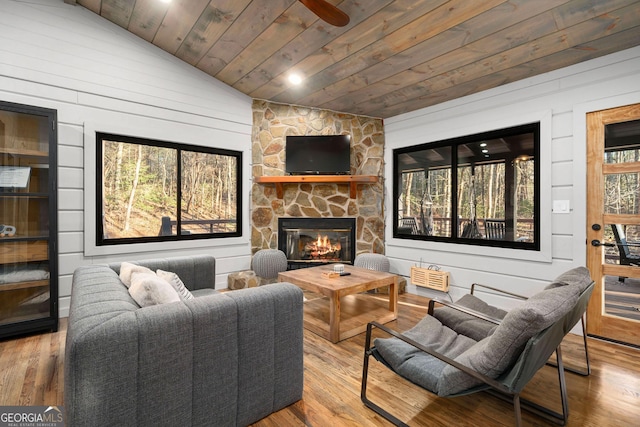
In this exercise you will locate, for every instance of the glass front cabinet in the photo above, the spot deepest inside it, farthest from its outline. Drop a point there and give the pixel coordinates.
(28, 220)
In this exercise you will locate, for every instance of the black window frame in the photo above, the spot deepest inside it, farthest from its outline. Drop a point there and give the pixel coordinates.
(453, 144)
(179, 147)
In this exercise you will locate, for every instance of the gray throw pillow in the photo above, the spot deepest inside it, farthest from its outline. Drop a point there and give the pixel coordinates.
(494, 354)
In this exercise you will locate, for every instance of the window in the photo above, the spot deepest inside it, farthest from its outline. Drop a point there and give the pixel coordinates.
(149, 191)
(479, 189)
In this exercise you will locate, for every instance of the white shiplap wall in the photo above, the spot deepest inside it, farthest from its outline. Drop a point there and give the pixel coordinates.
(560, 100)
(97, 75)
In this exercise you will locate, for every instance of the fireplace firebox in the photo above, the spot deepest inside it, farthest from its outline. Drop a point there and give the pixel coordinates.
(308, 242)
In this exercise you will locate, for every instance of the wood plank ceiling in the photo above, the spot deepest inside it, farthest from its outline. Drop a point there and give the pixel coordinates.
(393, 57)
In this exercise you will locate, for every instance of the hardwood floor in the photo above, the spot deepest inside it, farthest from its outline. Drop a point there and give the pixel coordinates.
(32, 374)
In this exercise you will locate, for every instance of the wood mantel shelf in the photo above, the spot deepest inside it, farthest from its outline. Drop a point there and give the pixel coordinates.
(353, 181)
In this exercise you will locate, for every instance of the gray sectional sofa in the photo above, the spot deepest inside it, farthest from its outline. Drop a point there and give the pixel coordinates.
(220, 359)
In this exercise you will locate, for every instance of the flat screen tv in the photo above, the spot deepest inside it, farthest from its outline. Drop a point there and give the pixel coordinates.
(318, 155)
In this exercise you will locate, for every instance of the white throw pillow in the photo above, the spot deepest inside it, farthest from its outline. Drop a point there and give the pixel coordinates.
(177, 284)
(148, 289)
(127, 269)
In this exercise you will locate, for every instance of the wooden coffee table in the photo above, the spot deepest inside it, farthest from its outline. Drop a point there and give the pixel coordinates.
(344, 311)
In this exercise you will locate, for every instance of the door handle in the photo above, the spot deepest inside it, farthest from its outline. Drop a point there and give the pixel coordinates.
(599, 243)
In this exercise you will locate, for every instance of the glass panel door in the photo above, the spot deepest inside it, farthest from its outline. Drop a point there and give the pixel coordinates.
(613, 253)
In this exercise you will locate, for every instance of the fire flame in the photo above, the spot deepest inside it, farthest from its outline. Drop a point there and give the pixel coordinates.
(323, 246)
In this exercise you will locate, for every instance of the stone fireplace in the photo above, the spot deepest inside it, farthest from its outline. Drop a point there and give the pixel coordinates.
(315, 241)
(271, 124)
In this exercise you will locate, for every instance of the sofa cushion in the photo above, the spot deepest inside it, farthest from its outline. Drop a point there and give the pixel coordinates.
(199, 293)
(467, 324)
(148, 289)
(415, 365)
(494, 354)
(176, 283)
(127, 269)
(195, 271)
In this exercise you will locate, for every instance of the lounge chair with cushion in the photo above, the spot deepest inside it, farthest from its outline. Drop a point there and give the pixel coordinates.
(449, 364)
(483, 319)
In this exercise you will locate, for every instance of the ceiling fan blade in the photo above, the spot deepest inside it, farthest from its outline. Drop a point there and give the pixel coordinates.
(327, 12)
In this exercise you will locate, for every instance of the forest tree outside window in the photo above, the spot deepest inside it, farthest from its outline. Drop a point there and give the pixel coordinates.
(150, 191)
(480, 189)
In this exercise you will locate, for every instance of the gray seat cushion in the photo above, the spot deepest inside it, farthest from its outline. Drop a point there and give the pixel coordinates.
(416, 366)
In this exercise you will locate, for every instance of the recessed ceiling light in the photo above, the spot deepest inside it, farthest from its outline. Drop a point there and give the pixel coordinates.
(165, 1)
(295, 79)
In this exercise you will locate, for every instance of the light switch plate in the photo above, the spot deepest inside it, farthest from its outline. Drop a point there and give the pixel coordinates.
(561, 206)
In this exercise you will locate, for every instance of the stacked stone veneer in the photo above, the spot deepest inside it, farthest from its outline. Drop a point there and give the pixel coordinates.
(271, 124)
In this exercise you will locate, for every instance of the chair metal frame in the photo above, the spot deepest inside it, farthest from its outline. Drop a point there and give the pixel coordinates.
(508, 385)
(500, 390)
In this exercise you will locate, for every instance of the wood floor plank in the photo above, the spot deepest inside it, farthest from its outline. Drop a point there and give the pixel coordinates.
(31, 373)
(11, 376)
